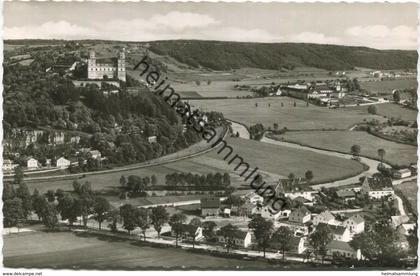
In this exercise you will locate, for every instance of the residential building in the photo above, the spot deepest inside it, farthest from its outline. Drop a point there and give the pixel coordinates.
(8, 166)
(346, 195)
(32, 163)
(403, 173)
(254, 198)
(340, 233)
(298, 229)
(240, 239)
(210, 206)
(343, 249)
(152, 139)
(95, 154)
(405, 228)
(398, 220)
(356, 224)
(298, 245)
(325, 217)
(62, 163)
(377, 188)
(300, 215)
(187, 230)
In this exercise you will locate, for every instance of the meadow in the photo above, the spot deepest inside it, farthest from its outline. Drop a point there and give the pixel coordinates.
(301, 117)
(409, 189)
(386, 86)
(84, 251)
(392, 110)
(342, 141)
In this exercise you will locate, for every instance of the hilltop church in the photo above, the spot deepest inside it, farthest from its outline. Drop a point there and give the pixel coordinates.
(106, 68)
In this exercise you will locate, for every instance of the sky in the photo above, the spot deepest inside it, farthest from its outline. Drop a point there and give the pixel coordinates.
(376, 25)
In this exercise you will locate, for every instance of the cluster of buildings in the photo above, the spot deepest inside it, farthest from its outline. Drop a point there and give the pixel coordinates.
(325, 92)
(32, 164)
(302, 222)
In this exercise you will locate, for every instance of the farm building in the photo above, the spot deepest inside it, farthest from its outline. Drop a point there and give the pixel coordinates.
(210, 206)
(241, 239)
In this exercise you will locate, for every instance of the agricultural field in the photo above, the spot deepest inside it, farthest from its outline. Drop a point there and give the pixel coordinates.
(393, 110)
(342, 141)
(386, 86)
(72, 251)
(301, 117)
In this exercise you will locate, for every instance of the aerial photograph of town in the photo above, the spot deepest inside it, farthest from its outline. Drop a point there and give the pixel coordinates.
(209, 136)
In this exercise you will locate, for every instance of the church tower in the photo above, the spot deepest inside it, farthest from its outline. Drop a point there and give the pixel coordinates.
(92, 65)
(121, 66)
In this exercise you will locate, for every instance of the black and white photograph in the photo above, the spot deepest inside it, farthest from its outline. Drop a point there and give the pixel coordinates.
(209, 136)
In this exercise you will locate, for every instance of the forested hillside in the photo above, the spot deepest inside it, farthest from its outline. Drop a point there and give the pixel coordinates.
(219, 55)
(117, 124)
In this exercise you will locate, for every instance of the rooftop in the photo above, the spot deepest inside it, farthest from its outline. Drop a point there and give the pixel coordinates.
(210, 202)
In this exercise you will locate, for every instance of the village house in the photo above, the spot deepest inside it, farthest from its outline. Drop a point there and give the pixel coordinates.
(240, 239)
(8, 166)
(356, 224)
(377, 189)
(62, 163)
(210, 206)
(152, 139)
(186, 235)
(325, 217)
(403, 173)
(32, 163)
(340, 233)
(405, 228)
(346, 195)
(297, 244)
(298, 229)
(398, 220)
(342, 249)
(300, 215)
(95, 154)
(254, 198)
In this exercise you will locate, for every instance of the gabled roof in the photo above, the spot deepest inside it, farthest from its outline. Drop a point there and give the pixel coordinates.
(340, 245)
(357, 219)
(336, 229)
(210, 202)
(345, 193)
(327, 215)
(301, 211)
(378, 184)
(237, 234)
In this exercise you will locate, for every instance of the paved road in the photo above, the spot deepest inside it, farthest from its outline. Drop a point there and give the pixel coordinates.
(400, 205)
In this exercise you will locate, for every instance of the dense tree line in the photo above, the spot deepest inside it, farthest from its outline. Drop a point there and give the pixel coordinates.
(232, 55)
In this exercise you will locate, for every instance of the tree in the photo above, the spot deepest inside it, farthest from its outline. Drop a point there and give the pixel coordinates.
(13, 212)
(372, 109)
(229, 233)
(129, 217)
(101, 207)
(381, 154)
(320, 239)
(309, 175)
(153, 180)
(69, 208)
(275, 126)
(18, 177)
(49, 216)
(195, 223)
(38, 203)
(23, 193)
(396, 96)
(413, 240)
(143, 221)
(176, 222)
(114, 217)
(263, 229)
(159, 217)
(355, 150)
(294, 104)
(283, 239)
(208, 82)
(208, 230)
(123, 181)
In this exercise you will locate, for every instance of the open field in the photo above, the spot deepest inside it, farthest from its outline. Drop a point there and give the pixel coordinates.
(342, 141)
(70, 250)
(393, 110)
(274, 162)
(409, 189)
(299, 117)
(386, 86)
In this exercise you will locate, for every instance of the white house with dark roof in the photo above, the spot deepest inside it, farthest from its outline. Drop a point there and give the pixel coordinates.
(343, 249)
(62, 163)
(325, 217)
(377, 189)
(241, 239)
(356, 224)
(300, 215)
(32, 163)
(340, 233)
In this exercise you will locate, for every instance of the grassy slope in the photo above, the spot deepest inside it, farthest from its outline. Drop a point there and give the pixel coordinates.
(67, 250)
(343, 140)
